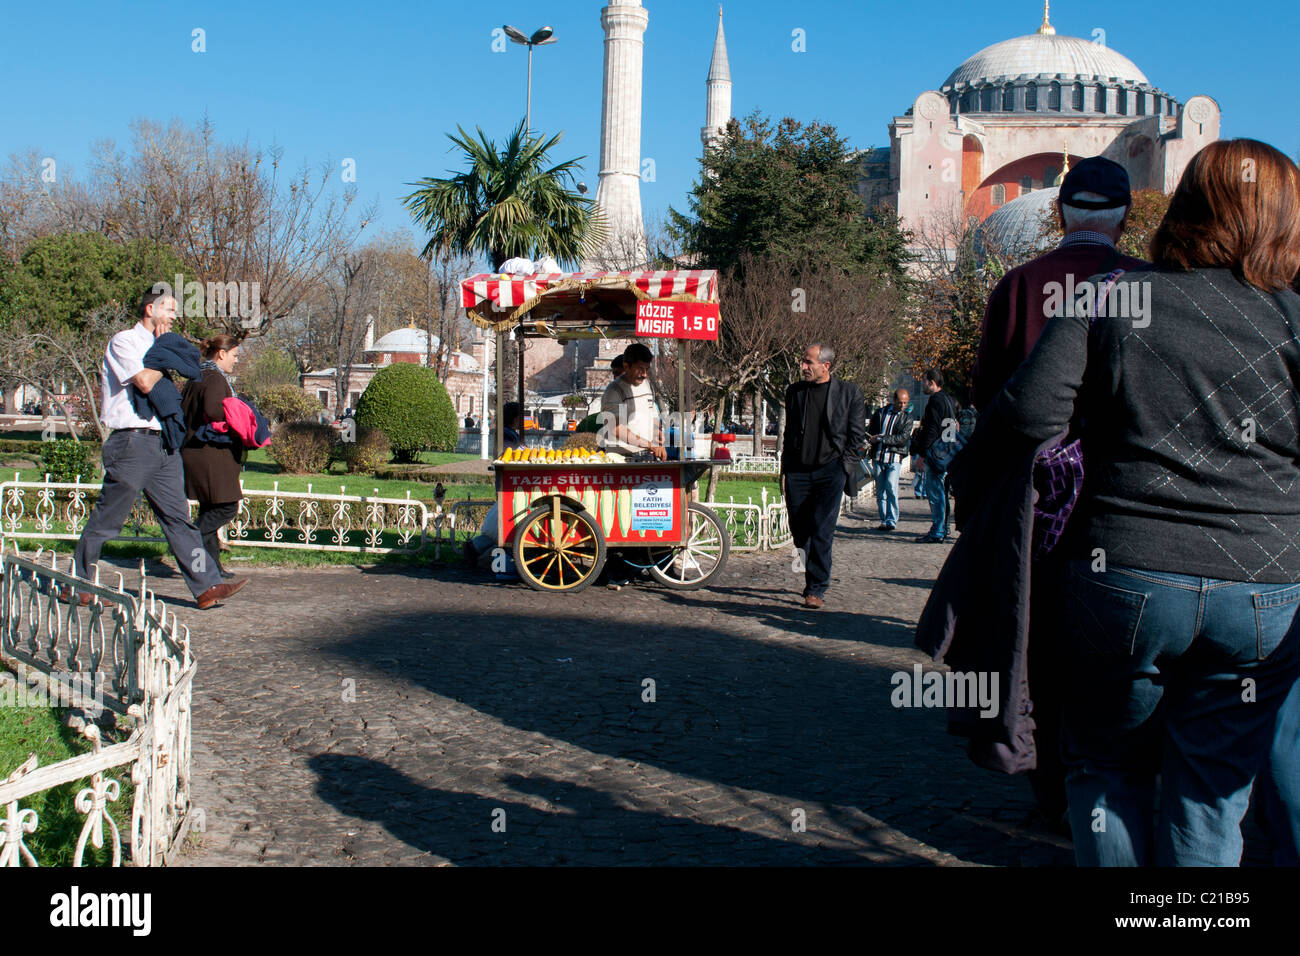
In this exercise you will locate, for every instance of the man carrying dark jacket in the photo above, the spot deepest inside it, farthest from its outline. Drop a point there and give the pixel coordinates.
(136, 460)
(890, 432)
(825, 427)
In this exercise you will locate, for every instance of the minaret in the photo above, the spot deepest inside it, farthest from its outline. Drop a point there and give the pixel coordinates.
(619, 191)
(1045, 28)
(718, 105)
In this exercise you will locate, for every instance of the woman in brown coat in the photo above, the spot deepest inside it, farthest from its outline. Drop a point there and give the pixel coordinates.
(212, 469)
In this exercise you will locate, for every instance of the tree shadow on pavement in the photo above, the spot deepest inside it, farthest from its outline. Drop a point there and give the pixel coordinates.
(575, 825)
(790, 720)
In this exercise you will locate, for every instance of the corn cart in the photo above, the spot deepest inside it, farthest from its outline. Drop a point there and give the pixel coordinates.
(559, 518)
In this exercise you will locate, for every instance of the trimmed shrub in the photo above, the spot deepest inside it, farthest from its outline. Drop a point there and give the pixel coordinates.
(37, 447)
(268, 369)
(589, 424)
(301, 448)
(408, 404)
(65, 459)
(368, 452)
(581, 440)
(288, 403)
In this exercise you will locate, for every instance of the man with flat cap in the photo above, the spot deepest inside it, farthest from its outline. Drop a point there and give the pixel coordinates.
(1093, 206)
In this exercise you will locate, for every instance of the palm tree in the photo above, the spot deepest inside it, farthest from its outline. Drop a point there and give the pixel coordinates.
(507, 203)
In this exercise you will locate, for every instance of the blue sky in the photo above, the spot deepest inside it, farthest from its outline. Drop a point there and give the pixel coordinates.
(383, 81)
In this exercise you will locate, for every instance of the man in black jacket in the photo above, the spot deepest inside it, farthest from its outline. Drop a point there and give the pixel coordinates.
(889, 431)
(938, 423)
(825, 427)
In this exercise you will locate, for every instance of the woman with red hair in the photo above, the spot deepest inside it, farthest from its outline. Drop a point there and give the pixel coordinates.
(1179, 629)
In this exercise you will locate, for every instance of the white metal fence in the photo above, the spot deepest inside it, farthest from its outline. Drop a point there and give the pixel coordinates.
(310, 520)
(137, 657)
(318, 521)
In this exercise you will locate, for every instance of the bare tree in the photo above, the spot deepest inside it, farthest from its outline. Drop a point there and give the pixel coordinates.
(50, 358)
(232, 210)
(348, 288)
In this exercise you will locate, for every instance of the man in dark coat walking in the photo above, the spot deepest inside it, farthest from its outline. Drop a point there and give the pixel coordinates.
(938, 424)
(825, 428)
(1092, 207)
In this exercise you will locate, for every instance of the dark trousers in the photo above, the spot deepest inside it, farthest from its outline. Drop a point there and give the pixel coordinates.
(1046, 675)
(135, 462)
(813, 500)
(212, 518)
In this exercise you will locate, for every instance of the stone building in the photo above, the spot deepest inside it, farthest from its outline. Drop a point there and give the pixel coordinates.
(998, 126)
(464, 380)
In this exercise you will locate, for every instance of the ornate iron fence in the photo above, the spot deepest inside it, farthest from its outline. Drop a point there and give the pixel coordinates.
(137, 656)
(753, 465)
(311, 520)
(267, 519)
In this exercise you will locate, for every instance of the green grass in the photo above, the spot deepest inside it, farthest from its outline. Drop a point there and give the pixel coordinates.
(39, 730)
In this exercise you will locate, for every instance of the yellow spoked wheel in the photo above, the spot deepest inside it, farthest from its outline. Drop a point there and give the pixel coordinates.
(558, 547)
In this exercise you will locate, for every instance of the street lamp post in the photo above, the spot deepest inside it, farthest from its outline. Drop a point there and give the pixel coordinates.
(540, 37)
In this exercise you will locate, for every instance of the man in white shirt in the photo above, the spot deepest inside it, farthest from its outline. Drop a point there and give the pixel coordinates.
(135, 461)
(629, 416)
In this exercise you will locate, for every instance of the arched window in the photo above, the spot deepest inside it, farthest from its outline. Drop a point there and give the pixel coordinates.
(1169, 106)
(968, 102)
(1121, 101)
(1026, 184)
(1054, 96)
(1077, 100)
(986, 99)
(1008, 98)
(1141, 108)
(999, 195)
(1031, 96)
(1049, 176)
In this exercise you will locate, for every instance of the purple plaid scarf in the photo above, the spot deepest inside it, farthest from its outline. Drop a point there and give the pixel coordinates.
(1058, 473)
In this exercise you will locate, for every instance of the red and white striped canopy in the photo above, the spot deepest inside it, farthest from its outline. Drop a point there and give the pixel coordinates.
(495, 300)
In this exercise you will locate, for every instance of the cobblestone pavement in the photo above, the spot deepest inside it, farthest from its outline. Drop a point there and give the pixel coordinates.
(380, 717)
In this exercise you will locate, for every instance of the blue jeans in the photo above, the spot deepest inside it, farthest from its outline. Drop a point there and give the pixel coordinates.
(1278, 788)
(887, 490)
(1177, 676)
(936, 490)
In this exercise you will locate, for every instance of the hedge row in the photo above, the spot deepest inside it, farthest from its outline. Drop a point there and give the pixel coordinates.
(26, 447)
(428, 475)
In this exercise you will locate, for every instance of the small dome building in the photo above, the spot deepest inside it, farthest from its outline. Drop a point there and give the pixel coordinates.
(463, 378)
(1017, 228)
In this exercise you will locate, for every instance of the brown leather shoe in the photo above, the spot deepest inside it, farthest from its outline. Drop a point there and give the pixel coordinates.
(812, 601)
(83, 598)
(219, 592)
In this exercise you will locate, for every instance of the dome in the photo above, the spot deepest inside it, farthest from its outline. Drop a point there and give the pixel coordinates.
(1016, 227)
(404, 340)
(1046, 53)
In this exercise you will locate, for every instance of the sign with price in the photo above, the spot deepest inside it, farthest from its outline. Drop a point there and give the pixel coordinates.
(661, 318)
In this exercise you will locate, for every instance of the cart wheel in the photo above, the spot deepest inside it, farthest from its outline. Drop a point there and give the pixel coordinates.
(700, 559)
(558, 547)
